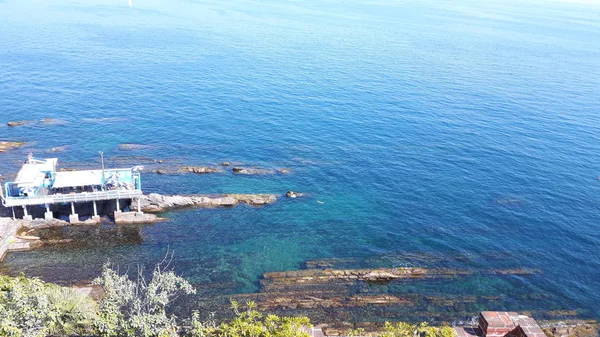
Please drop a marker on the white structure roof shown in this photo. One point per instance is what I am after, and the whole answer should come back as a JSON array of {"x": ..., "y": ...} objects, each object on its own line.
[
  {"x": 32, "y": 173},
  {"x": 77, "y": 178}
]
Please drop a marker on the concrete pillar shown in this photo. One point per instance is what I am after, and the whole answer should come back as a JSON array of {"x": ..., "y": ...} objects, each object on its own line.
[
  {"x": 73, "y": 217},
  {"x": 26, "y": 215},
  {"x": 95, "y": 217},
  {"x": 139, "y": 206},
  {"x": 13, "y": 211},
  {"x": 48, "y": 215},
  {"x": 118, "y": 207}
]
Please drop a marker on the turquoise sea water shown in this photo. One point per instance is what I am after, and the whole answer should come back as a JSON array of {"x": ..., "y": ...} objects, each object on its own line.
[{"x": 427, "y": 133}]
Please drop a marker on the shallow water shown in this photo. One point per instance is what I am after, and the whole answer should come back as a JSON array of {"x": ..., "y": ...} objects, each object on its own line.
[{"x": 464, "y": 131}]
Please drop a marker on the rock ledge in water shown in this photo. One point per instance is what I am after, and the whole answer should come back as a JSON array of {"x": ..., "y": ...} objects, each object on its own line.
[
  {"x": 155, "y": 202},
  {"x": 292, "y": 194},
  {"x": 249, "y": 170},
  {"x": 5, "y": 146},
  {"x": 198, "y": 169}
]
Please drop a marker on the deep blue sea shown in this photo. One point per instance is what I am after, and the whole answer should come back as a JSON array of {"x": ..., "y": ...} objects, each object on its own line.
[{"x": 462, "y": 134}]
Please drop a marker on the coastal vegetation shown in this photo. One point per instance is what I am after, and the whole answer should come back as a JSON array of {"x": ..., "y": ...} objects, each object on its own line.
[
  {"x": 30, "y": 307},
  {"x": 403, "y": 329},
  {"x": 129, "y": 307}
]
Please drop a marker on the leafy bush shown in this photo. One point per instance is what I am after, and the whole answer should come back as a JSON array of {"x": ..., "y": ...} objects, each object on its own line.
[
  {"x": 31, "y": 307},
  {"x": 137, "y": 308},
  {"x": 251, "y": 323},
  {"x": 420, "y": 330}
]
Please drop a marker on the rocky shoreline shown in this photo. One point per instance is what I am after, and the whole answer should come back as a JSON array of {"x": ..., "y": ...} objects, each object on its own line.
[{"x": 10, "y": 229}]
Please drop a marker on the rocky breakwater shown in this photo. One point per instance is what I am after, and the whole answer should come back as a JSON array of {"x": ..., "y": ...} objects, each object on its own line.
[{"x": 155, "y": 203}]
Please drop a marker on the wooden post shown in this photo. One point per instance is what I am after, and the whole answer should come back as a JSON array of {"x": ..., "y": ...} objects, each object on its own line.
[
  {"x": 118, "y": 207},
  {"x": 139, "y": 207},
  {"x": 72, "y": 207},
  {"x": 95, "y": 209}
]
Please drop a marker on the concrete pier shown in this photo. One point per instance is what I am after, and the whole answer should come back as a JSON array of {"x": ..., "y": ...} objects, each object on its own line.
[
  {"x": 95, "y": 217},
  {"x": 48, "y": 215},
  {"x": 26, "y": 215},
  {"x": 73, "y": 217}
]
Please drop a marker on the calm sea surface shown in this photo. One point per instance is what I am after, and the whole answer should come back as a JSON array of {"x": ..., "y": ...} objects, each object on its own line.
[{"x": 428, "y": 133}]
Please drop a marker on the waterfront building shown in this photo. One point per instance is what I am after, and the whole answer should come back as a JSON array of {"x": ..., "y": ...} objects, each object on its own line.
[{"x": 39, "y": 183}]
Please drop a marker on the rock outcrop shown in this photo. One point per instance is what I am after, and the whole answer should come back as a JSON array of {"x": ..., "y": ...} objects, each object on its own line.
[
  {"x": 292, "y": 194},
  {"x": 5, "y": 146},
  {"x": 571, "y": 329},
  {"x": 159, "y": 203},
  {"x": 16, "y": 123},
  {"x": 249, "y": 170},
  {"x": 135, "y": 218},
  {"x": 199, "y": 169}
]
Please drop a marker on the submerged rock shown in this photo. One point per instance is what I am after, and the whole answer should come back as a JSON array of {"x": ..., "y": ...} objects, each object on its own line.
[
  {"x": 51, "y": 121},
  {"x": 5, "y": 146},
  {"x": 58, "y": 148},
  {"x": 16, "y": 123},
  {"x": 284, "y": 170},
  {"x": 199, "y": 169},
  {"x": 131, "y": 147},
  {"x": 45, "y": 121},
  {"x": 248, "y": 170},
  {"x": 225, "y": 163}
]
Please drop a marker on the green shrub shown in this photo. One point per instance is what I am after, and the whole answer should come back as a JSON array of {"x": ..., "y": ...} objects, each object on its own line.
[
  {"x": 31, "y": 307},
  {"x": 420, "y": 330},
  {"x": 137, "y": 308},
  {"x": 251, "y": 323}
]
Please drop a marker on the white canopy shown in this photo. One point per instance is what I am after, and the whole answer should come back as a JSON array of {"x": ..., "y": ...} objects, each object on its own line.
[
  {"x": 78, "y": 178},
  {"x": 32, "y": 173}
]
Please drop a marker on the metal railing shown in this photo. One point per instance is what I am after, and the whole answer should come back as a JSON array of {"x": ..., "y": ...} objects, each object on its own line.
[{"x": 74, "y": 197}]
